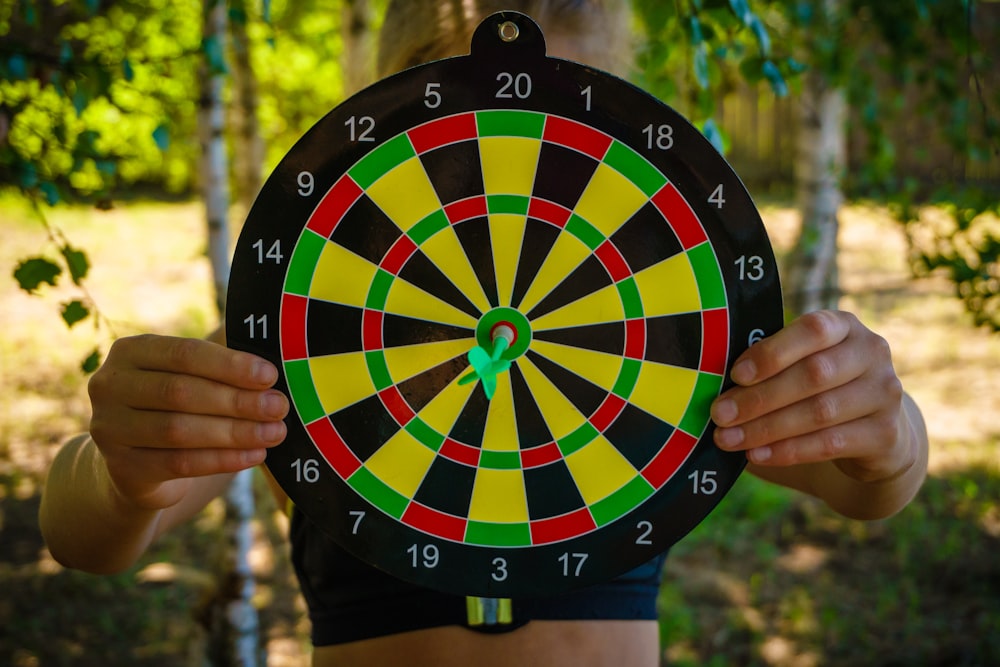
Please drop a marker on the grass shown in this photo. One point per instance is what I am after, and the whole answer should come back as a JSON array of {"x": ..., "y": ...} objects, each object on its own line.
[{"x": 770, "y": 578}]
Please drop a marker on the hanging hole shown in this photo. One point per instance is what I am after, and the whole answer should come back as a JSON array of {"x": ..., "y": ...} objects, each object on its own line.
[{"x": 509, "y": 31}]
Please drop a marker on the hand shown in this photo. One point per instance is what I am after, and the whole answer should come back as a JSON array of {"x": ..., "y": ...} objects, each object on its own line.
[
  {"x": 821, "y": 389},
  {"x": 166, "y": 410}
]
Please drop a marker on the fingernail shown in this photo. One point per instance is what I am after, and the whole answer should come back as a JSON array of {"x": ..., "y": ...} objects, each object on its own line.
[
  {"x": 744, "y": 372},
  {"x": 760, "y": 454},
  {"x": 728, "y": 438},
  {"x": 271, "y": 431},
  {"x": 253, "y": 457},
  {"x": 725, "y": 411},
  {"x": 274, "y": 403},
  {"x": 264, "y": 372}
]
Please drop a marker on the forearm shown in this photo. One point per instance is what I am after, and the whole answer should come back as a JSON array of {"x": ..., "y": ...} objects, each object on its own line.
[
  {"x": 86, "y": 524},
  {"x": 857, "y": 498}
]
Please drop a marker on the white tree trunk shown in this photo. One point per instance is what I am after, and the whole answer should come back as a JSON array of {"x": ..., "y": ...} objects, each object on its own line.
[
  {"x": 248, "y": 147},
  {"x": 358, "y": 57}
]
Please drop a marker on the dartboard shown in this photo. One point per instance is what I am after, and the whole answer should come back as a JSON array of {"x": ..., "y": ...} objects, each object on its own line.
[{"x": 502, "y": 291}]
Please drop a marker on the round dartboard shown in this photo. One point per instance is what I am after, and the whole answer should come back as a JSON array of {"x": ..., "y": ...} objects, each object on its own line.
[{"x": 502, "y": 291}]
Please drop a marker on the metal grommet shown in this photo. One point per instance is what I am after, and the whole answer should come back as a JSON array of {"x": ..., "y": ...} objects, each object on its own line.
[{"x": 509, "y": 31}]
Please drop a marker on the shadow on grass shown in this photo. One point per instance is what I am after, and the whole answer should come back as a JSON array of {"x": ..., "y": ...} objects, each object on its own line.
[{"x": 777, "y": 579}]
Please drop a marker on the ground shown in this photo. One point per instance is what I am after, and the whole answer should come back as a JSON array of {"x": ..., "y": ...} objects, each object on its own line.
[{"x": 771, "y": 578}]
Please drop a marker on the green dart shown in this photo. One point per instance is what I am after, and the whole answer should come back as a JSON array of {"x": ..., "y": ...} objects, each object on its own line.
[{"x": 487, "y": 364}]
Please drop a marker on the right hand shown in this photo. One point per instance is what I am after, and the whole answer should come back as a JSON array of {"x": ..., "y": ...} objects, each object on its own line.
[{"x": 167, "y": 410}]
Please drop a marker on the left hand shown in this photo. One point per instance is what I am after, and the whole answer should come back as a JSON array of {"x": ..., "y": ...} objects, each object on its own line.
[{"x": 821, "y": 389}]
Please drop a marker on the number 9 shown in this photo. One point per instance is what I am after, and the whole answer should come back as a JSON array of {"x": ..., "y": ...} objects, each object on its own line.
[{"x": 306, "y": 183}]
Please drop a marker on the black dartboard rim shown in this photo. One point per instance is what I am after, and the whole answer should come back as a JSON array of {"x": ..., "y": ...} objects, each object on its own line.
[{"x": 397, "y": 234}]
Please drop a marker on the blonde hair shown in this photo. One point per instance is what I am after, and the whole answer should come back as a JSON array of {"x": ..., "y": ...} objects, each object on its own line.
[{"x": 418, "y": 31}]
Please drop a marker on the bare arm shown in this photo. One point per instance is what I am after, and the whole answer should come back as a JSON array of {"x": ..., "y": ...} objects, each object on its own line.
[
  {"x": 173, "y": 419},
  {"x": 818, "y": 408}
]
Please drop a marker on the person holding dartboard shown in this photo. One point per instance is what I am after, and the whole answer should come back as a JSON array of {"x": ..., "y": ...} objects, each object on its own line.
[{"x": 504, "y": 328}]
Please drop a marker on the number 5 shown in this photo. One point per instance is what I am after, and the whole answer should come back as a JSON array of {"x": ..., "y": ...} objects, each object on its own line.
[{"x": 432, "y": 98}]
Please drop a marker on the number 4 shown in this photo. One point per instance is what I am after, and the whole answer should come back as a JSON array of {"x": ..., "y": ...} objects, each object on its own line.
[{"x": 716, "y": 197}]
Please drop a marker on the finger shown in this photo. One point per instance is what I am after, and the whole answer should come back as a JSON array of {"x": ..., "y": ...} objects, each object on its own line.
[
  {"x": 805, "y": 336},
  {"x": 195, "y": 357},
  {"x": 858, "y": 439},
  {"x": 175, "y": 430},
  {"x": 161, "y": 465},
  {"x": 172, "y": 392}
]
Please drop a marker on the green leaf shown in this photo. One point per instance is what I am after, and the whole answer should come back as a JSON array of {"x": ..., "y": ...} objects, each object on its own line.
[
  {"x": 77, "y": 262},
  {"x": 73, "y": 312},
  {"x": 701, "y": 66},
  {"x": 774, "y": 77},
  {"x": 51, "y": 193},
  {"x": 32, "y": 272},
  {"x": 211, "y": 46},
  {"x": 91, "y": 363},
  {"x": 17, "y": 67},
  {"x": 127, "y": 71},
  {"x": 161, "y": 135}
]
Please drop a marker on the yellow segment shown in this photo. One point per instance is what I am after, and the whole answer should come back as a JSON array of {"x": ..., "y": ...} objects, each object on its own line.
[
  {"x": 405, "y": 194},
  {"x": 598, "y": 367},
  {"x": 341, "y": 380},
  {"x": 501, "y": 428},
  {"x": 499, "y": 496},
  {"x": 509, "y": 164},
  {"x": 506, "y": 236},
  {"x": 599, "y": 470},
  {"x": 664, "y": 391},
  {"x": 668, "y": 287},
  {"x": 560, "y": 415},
  {"x": 567, "y": 253},
  {"x": 440, "y": 414},
  {"x": 405, "y": 362},
  {"x": 604, "y": 305},
  {"x": 410, "y": 301},
  {"x": 446, "y": 252},
  {"x": 341, "y": 276},
  {"x": 609, "y": 200},
  {"x": 401, "y": 463}
]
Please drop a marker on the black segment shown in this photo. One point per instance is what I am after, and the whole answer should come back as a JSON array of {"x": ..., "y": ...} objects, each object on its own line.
[
  {"x": 638, "y": 435},
  {"x": 646, "y": 239},
  {"x": 332, "y": 328},
  {"x": 398, "y": 331},
  {"x": 583, "y": 394},
  {"x": 455, "y": 171},
  {"x": 562, "y": 174},
  {"x": 551, "y": 491},
  {"x": 447, "y": 487},
  {"x": 422, "y": 388},
  {"x": 474, "y": 235},
  {"x": 367, "y": 231},
  {"x": 531, "y": 427},
  {"x": 608, "y": 337},
  {"x": 674, "y": 340},
  {"x": 471, "y": 423},
  {"x": 538, "y": 240},
  {"x": 365, "y": 426},
  {"x": 423, "y": 273},
  {"x": 587, "y": 278}
]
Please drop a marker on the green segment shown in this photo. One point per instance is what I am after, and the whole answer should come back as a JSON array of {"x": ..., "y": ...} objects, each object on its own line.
[
  {"x": 428, "y": 227},
  {"x": 427, "y": 436},
  {"x": 378, "y": 293},
  {"x": 510, "y": 124},
  {"x": 589, "y": 235},
  {"x": 515, "y": 204},
  {"x": 378, "y": 370},
  {"x": 631, "y": 301},
  {"x": 303, "y": 391},
  {"x": 499, "y": 460},
  {"x": 382, "y": 160},
  {"x": 622, "y": 501},
  {"x": 697, "y": 415},
  {"x": 378, "y": 493},
  {"x": 577, "y": 439},
  {"x": 627, "y": 378},
  {"x": 635, "y": 168},
  {"x": 498, "y": 534},
  {"x": 706, "y": 269},
  {"x": 303, "y": 262}
]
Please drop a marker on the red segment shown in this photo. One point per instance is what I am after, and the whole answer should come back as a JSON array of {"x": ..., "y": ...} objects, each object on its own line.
[
  {"x": 546, "y": 211},
  {"x": 714, "y": 341},
  {"x": 571, "y": 134},
  {"x": 466, "y": 209},
  {"x": 434, "y": 523},
  {"x": 540, "y": 456},
  {"x": 635, "y": 339},
  {"x": 608, "y": 412},
  {"x": 680, "y": 216},
  {"x": 334, "y": 205},
  {"x": 371, "y": 330},
  {"x": 398, "y": 254},
  {"x": 670, "y": 459},
  {"x": 443, "y": 131},
  {"x": 613, "y": 261},
  {"x": 293, "y": 327},
  {"x": 396, "y": 405},
  {"x": 456, "y": 451},
  {"x": 333, "y": 448},
  {"x": 562, "y": 527}
]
